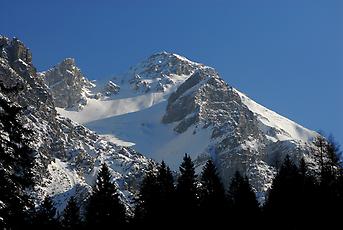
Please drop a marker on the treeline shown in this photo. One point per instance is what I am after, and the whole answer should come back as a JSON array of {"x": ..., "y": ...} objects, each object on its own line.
[
  {"x": 303, "y": 195},
  {"x": 162, "y": 201}
]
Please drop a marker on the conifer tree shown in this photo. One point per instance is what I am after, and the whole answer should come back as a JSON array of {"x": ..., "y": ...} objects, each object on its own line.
[
  {"x": 165, "y": 181},
  {"x": 329, "y": 156},
  {"x": 166, "y": 195},
  {"x": 71, "y": 215},
  {"x": 244, "y": 206},
  {"x": 16, "y": 161},
  {"x": 155, "y": 204},
  {"x": 105, "y": 207},
  {"x": 334, "y": 153},
  {"x": 213, "y": 204},
  {"x": 308, "y": 195},
  {"x": 147, "y": 202},
  {"x": 187, "y": 192},
  {"x": 284, "y": 197},
  {"x": 46, "y": 215},
  {"x": 329, "y": 198}
]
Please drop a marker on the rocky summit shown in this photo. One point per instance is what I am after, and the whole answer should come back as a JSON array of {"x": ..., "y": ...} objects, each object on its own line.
[
  {"x": 68, "y": 155},
  {"x": 167, "y": 105},
  {"x": 160, "y": 109},
  {"x": 67, "y": 84}
]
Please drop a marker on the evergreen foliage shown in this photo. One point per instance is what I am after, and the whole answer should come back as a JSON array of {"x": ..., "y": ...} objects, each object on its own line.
[
  {"x": 213, "y": 203},
  {"x": 187, "y": 192},
  {"x": 71, "y": 216},
  {"x": 16, "y": 162},
  {"x": 166, "y": 195},
  {"x": 105, "y": 207},
  {"x": 46, "y": 215},
  {"x": 147, "y": 203},
  {"x": 243, "y": 203},
  {"x": 155, "y": 204}
]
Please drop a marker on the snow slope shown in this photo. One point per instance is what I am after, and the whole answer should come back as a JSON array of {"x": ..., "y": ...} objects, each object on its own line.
[
  {"x": 154, "y": 139},
  {"x": 132, "y": 117},
  {"x": 287, "y": 129},
  {"x": 135, "y": 120},
  {"x": 167, "y": 106},
  {"x": 67, "y": 154},
  {"x": 100, "y": 109}
]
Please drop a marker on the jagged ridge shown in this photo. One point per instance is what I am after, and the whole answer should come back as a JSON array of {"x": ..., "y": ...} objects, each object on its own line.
[
  {"x": 68, "y": 155},
  {"x": 200, "y": 114}
]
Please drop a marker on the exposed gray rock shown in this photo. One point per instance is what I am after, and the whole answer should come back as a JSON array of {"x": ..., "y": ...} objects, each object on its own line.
[
  {"x": 68, "y": 155},
  {"x": 111, "y": 89},
  {"x": 180, "y": 104},
  {"x": 67, "y": 84},
  {"x": 237, "y": 141},
  {"x": 155, "y": 73}
]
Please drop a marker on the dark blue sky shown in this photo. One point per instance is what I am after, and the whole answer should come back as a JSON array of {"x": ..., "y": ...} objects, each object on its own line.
[{"x": 287, "y": 55}]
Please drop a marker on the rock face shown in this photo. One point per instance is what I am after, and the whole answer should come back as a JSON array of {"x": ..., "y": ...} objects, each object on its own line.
[
  {"x": 206, "y": 101},
  {"x": 111, "y": 88},
  {"x": 166, "y": 105},
  {"x": 239, "y": 140},
  {"x": 20, "y": 84},
  {"x": 68, "y": 155},
  {"x": 67, "y": 84},
  {"x": 156, "y": 72},
  {"x": 180, "y": 106}
]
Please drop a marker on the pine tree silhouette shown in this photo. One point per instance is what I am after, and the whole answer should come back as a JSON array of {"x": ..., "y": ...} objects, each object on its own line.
[
  {"x": 330, "y": 196},
  {"x": 308, "y": 196},
  {"x": 284, "y": 198},
  {"x": 71, "y": 215},
  {"x": 213, "y": 203},
  {"x": 244, "y": 206},
  {"x": 187, "y": 193},
  {"x": 46, "y": 215},
  {"x": 105, "y": 207},
  {"x": 166, "y": 195},
  {"x": 147, "y": 206}
]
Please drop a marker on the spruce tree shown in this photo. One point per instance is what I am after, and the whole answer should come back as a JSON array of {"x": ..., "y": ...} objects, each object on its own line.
[
  {"x": 46, "y": 215},
  {"x": 284, "y": 197},
  {"x": 155, "y": 204},
  {"x": 308, "y": 195},
  {"x": 165, "y": 181},
  {"x": 16, "y": 161},
  {"x": 147, "y": 206},
  {"x": 71, "y": 216},
  {"x": 329, "y": 186},
  {"x": 212, "y": 196},
  {"x": 244, "y": 206},
  {"x": 166, "y": 195},
  {"x": 334, "y": 153},
  {"x": 105, "y": 207},
  {"x": 187, "y": 192}
]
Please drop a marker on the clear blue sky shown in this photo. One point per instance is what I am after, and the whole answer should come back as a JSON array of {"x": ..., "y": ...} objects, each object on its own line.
[{"x": 287, "y": 55}]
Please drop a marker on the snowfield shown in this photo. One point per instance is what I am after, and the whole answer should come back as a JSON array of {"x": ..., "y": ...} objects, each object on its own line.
[
  {"x": 160, "y": 109},
  {"x": 288, "y": 130},
  {"x": 132, "y": 116}
]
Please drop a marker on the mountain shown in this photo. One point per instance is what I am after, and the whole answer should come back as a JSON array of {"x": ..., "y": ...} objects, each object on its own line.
[
  {"x": 67, "y": 154},
  {"x": 167, "y": 105},
  {"x": 67, "y": 84}
]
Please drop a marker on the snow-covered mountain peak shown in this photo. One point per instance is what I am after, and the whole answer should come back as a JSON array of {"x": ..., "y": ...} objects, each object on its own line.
[
  {"x": 68, "y": 64},
  {"x": 69, "y": 87},
  {"x": 68, "y": 154},
  {"x": 164, "y": 63},
  {"x": 167, "y": 105},
  {"x": 13, "y": 50},
  {"x": 159, "y": 72}
]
